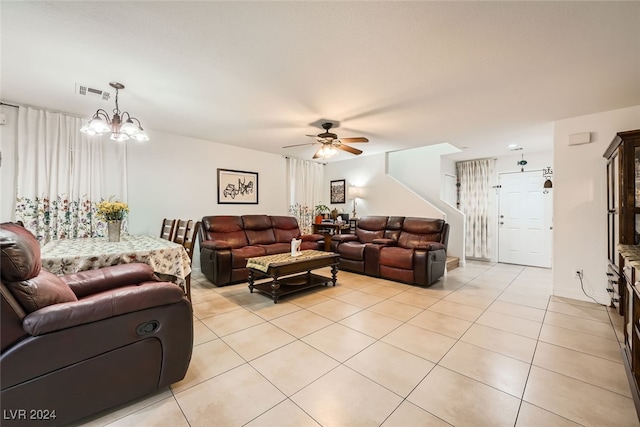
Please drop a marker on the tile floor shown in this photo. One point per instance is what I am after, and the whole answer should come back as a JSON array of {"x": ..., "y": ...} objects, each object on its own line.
[{"x": 485, "y": 346}]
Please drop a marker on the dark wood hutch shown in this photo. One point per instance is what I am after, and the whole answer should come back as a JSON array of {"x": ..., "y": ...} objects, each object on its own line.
[{"x": 623, "y": 240}]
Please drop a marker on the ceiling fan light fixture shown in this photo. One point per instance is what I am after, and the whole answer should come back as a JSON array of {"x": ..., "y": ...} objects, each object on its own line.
[
  {"x": 121, "y": 129},
  {"x": 327, "y": 151}
]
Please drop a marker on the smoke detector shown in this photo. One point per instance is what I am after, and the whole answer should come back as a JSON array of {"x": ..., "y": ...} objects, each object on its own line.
[{"x": 84, "y": 90}]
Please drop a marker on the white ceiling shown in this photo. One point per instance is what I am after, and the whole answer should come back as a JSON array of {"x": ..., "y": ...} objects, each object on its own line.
[{"x": 257, "y": 74}]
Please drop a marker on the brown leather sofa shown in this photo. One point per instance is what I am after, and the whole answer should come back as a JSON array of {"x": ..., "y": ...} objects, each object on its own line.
[
  {"x": 76, "y": 344},
  {"x": 227, "y": 241},
  {"x": 404, "y": 249}
]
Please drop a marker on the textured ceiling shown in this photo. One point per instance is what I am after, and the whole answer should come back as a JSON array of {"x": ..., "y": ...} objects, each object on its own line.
[{"x": 259, "y": 74}]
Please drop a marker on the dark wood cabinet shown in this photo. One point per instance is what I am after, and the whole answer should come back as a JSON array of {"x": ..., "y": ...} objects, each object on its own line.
[
  {"x": 623, "y": 208},
  {"x": 623, "y": 250}
]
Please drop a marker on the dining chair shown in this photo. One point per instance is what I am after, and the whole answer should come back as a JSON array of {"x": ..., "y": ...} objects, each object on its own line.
[
  {"x": 185, "y": 234},
  {"x": 168, "y": 229}
]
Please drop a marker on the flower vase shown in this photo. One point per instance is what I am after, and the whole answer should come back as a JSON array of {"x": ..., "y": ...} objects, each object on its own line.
[{"x": 113, "y": 230}]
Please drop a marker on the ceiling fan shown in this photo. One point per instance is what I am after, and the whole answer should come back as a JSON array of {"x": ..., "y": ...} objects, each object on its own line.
[{"x": 329, "y": 142}]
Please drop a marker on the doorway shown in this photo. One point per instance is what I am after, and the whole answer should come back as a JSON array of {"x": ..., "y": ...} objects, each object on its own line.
[{"x": 524, "y": 219}]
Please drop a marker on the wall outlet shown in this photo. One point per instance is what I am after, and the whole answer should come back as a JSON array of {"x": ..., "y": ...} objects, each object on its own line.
[{"x": 577, "y": 273}]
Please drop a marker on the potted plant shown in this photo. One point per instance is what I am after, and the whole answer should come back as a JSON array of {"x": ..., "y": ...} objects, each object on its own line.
[{"x": 320, "y": 211}]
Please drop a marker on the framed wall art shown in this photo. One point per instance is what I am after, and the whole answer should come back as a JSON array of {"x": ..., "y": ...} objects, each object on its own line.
[
  {"x": 237, "y": 187},
  {"x": 337, "y": 189}
]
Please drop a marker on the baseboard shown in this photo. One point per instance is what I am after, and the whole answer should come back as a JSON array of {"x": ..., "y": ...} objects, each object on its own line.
[{"x": 602, "y": 298}]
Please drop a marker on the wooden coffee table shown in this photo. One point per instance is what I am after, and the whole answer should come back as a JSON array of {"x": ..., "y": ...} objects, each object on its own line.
[{"x": 283, "y": 269}]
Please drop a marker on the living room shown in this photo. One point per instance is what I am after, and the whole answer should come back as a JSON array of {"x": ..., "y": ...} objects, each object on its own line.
[{"x": 182, "y": 169}]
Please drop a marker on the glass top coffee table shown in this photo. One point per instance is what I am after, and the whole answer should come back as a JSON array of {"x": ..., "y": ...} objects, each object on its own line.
[{"x": 283, "y": 269}]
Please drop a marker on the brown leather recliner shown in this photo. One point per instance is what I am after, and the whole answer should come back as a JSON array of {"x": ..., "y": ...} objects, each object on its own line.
[
  {"x": 76, "y": 344},
  {"x": 404, "y": 249},
  {"x": 420, "y": 255},
  {"x": 226, "y": 242},
  {"x": 357, "y": 251}
]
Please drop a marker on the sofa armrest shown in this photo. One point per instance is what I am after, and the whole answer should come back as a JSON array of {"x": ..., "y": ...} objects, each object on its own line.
[
  {"x": 344, "y": 238},
  {"x": 215, "y": 245},
  {"x": 433, "y": 246},
  {"x": 94, "y": 281},
  {"x": 101, "y": 306},
  {"x": 385, "y": 242},
  {"x": 311, "y": 237}
]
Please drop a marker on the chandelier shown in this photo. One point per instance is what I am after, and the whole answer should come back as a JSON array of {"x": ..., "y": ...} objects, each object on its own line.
[{"x": 120, "y": 129}]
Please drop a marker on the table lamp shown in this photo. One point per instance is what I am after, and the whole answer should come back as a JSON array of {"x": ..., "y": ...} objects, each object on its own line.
[{"x": 354, "y": 193}]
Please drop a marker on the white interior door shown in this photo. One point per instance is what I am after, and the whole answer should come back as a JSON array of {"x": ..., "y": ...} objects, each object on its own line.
[{"x": 524, "y": 220}]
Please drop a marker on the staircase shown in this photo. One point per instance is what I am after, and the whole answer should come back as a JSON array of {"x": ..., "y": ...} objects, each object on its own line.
[{"x": 452, "y": 263}]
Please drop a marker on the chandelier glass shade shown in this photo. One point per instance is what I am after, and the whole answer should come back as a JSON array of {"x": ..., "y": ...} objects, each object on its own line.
[
  {"x": 326, "y": 151},
  {"x": 122, "y": 126}
]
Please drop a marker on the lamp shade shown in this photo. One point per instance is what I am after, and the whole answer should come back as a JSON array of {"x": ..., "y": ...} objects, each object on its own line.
[
  {"x": 355, "y": 192},
  {"x": 96, "y": 126},
  {"x": 129, "y": 128}
]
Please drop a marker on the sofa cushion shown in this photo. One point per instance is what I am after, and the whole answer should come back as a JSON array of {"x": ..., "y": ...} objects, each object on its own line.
[
  {"x": 239, "y": 256},
  {"x": 258, "y": 229},
  {"x": 420, "y": 231},
  {"x": 393, "y": 228},
  {"x": 352, "y": 250},
  {"x": 285, "y": 228},
  {"x": 276, "y": 248},
  {"x": 397, "y": 257},
  {"x": 225, "y": 228},
  {"x": 41, "y": 291},
  {"x": 21, "y": 258},
  {"x": 371, "y": 227}
]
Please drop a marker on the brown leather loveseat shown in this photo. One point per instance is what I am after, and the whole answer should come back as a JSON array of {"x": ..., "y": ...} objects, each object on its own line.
[
  {"x": 404, "y": 249},
  {"x": 76, "y": 344},
  {"x": 227, "y": 241}
]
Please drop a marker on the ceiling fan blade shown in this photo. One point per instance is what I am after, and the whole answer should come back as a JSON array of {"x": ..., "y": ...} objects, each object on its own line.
[
  {"x": 356, "y": 139},
  {"x": 316, "y": 155},
  {"x": 299, "y": 145},
  {"x": 348, "y": 149},
  {"x": 312, "y": 136}
]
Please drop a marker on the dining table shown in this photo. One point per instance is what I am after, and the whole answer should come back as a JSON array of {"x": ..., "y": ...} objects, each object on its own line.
[{"x": 168, "y": 259}]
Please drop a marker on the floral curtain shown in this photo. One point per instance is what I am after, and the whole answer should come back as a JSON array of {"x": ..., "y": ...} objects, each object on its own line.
[
  {"x": 62, "y": 174},
  {"x": 304, "y": 184},
  {"x": 474, "y": 177}
]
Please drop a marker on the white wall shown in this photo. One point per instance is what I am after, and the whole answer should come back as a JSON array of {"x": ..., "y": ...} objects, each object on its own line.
[
  {"x": 8, "y": 148},
  {"x": 579, "y": 185},
  {"x": 174, "y": 176}
]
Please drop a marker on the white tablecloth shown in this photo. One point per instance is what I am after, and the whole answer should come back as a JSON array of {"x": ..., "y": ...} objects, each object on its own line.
[{"x": 66, "y": 256}]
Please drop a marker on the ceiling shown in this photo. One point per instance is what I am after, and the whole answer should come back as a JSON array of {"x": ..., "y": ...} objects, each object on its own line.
[{"x": 262, "y": 75}]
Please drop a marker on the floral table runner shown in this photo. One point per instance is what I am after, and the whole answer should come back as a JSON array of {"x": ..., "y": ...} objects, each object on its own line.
[{"x": 262, "y": 263}]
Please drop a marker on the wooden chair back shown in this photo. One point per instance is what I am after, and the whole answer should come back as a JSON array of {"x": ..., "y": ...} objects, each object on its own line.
[
  {"x": 186, "y": 234},
  {"x": 168, "y": 229}
]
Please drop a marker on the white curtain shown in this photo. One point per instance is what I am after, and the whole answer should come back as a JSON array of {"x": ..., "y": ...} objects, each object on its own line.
[
  {"x": 304, "y": 184},
  {"x": 62, "y": 173},
  {"x": 474, "y": 177}
]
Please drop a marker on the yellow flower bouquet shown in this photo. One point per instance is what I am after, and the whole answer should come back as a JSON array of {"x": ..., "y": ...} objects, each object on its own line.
[{"x": 112, "y": 210}]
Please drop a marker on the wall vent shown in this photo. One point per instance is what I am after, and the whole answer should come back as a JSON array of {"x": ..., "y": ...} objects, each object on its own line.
[{"x": 85, "y": 90}]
